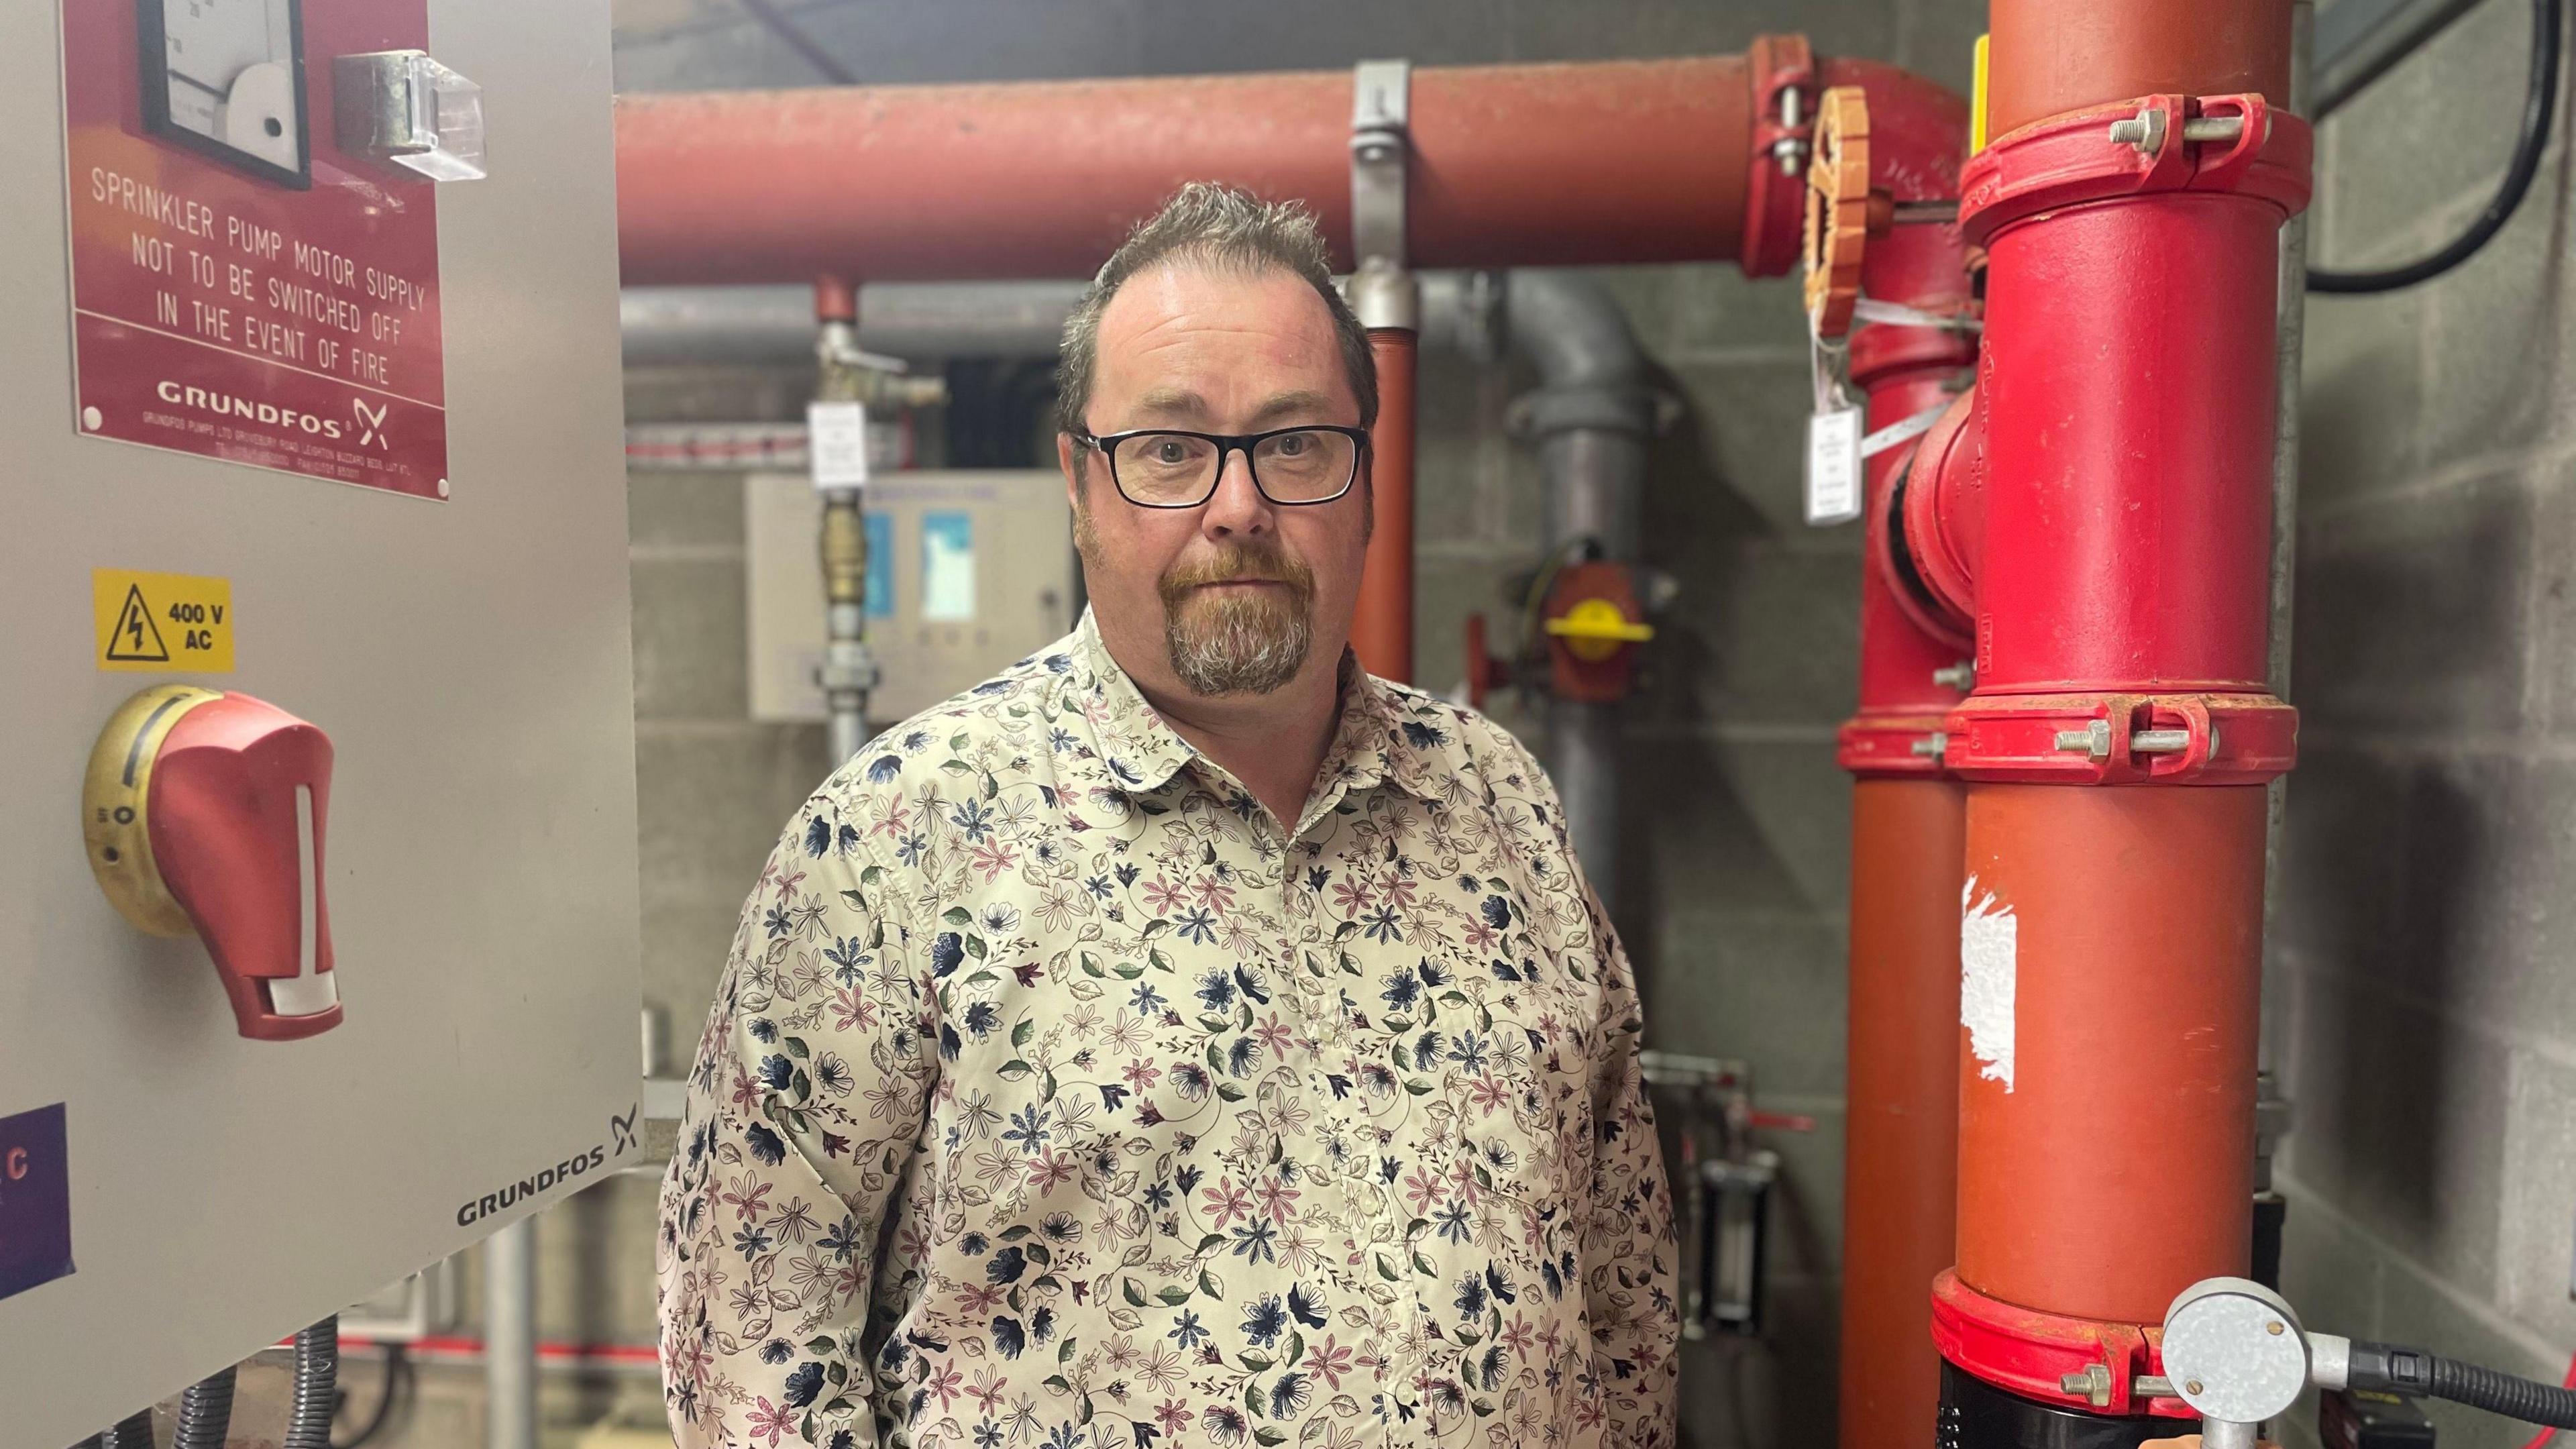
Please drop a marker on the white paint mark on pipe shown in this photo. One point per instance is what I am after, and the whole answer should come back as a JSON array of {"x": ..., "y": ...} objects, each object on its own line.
[{"x": 1989, "y": 943}]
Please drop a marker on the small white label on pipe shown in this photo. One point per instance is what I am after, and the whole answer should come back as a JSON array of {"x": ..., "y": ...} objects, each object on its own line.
[
  {"x": 1989, "y": 943},
  {"x": 1833, "y": 466},
  {"x": 836, "y": 443}
]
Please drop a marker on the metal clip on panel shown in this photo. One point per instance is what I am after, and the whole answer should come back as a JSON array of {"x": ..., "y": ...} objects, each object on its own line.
[{"x": 402, "y": 107}]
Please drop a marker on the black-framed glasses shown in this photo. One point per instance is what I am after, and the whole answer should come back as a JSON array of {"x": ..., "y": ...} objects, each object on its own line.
[{"x": 1172, "y": 468}]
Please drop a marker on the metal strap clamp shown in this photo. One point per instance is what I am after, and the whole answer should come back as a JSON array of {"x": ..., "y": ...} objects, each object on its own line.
[{"x": 1382, "y": 291}]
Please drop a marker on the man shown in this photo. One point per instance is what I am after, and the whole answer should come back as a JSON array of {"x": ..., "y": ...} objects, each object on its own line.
[{"x": 1184, "y": 1038}]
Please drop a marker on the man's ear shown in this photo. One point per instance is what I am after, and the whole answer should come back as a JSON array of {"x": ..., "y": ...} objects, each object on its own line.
[{"x": 1068, "y": 458}]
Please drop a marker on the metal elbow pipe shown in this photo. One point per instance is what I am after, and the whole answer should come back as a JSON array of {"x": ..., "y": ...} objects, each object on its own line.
[{"x": 1592, "y": 411}]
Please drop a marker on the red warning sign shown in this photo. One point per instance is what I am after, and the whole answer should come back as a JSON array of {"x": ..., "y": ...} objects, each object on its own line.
[{"x": 241, "y": 287}]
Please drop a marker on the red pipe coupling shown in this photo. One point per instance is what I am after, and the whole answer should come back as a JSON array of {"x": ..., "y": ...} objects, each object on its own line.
[{"x": 2076, "y": 1363}]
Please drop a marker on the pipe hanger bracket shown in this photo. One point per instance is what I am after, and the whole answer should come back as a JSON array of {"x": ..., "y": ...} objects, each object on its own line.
[{"x": 1382, "y": 290}]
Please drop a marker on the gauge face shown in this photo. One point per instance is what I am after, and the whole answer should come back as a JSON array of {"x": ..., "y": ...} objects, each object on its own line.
[{"x": 226, "y": 77}]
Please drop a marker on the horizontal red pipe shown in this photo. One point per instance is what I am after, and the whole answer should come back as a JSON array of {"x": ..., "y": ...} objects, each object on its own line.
[
  {"x": 1525, "y": 165},
  {"x": 437, "y": 1347}
]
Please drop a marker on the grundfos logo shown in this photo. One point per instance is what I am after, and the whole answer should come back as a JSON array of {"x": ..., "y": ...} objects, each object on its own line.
[
  {"x": 226, "y": 405},
  {"x": 622, "y": 1129},
  {"x": 527, "y": 1187}
]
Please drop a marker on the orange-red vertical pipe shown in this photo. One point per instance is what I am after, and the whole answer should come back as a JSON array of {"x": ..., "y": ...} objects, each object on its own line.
[
  {"x": 1901, "y": 1084},
  {"x": 1382, "y": 629},
  {"x": 2120, "y": 732}
]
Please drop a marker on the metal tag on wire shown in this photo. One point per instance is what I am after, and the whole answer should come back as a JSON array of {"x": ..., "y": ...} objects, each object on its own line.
[{"x": 1833, "y": 440}]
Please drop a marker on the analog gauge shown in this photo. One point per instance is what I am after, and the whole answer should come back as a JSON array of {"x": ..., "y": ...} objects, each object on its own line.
[{"x": 226, "y": 77}]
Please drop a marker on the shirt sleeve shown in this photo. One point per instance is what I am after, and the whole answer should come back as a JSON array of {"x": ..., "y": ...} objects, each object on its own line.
[
  {"x": 805, "y": 1104},
  {"x": 1628, "y": 1250}
]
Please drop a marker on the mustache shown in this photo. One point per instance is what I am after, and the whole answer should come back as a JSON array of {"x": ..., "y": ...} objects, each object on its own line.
[{"x": 1239, "y": 563}]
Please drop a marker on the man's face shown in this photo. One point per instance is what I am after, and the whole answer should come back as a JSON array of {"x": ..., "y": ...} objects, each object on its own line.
[{"x": 1237, "y": 595}]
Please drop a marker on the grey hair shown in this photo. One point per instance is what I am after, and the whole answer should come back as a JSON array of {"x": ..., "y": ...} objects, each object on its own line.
[{"x": 1224, "y": 227}]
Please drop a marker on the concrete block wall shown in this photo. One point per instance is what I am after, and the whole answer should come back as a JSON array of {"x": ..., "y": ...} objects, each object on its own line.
[{"x": 2430, "y": 1039}]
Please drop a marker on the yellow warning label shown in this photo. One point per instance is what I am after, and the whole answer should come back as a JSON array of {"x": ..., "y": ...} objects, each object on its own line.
[{"x": 162, "y": 623}]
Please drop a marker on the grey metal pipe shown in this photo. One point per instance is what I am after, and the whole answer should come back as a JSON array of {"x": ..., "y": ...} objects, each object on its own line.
[
  {"x": 716, "y": 325},
  {"x": 510, "y": 1336},
  {"x": 1590, "y": 417},
  {"x": 734, "y": 325},
  {"x": 1583, "y": 761}
]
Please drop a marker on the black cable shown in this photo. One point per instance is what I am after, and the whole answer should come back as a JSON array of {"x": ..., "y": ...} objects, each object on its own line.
[
  {"x": 2529, "y": 1400},
  {"x": 2540, "y": 101},
  {"x": 397, "y": 1380},
  {"x": 2395, "y": 1369}
]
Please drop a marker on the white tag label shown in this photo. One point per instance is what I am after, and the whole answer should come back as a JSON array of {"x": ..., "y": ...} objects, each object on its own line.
[
  {"x": 836, "y": 443},
  {"x": 1833, "y": 466}
]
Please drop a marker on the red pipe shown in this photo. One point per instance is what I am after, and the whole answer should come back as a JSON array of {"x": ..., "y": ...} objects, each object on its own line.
[
  {"x": 2111, "y": 931},
  {"x": 1901, "y": 1087},
  {"x": 1382, "y": 627},
  {"x": 468, "y": 1350},
  {"x": 1526, "y": 165}
]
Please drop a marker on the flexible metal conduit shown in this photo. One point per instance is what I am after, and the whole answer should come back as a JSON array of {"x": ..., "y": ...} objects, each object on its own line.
[
  {"x": 206, "y": 1413},
  {"x": 317, "y": 1379}
]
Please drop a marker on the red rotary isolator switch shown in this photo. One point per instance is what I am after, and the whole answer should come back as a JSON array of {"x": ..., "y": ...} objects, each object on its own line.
[{"x": 203, "y": 814}]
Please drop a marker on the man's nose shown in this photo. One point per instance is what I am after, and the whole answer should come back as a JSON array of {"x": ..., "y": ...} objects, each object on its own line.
[{"x": 1237, "y": 506}]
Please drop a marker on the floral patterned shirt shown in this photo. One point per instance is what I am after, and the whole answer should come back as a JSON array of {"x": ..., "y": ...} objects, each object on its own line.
[{"x": 1055, "y": 1095}]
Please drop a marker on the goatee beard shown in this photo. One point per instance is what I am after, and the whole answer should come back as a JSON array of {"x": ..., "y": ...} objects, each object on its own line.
[{"x": 1239, "y": 641}]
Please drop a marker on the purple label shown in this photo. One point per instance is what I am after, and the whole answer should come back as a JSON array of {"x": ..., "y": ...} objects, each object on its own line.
[{"x": 35, "y": 1200}]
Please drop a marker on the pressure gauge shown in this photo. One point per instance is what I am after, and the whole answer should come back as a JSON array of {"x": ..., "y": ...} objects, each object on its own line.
[{"x": 226, "y": 77}]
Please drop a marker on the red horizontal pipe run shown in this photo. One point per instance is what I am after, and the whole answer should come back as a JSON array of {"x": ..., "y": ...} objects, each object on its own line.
[
  {"x": 472, "y": 1350},
  {"x": 1529, "y": 165}
]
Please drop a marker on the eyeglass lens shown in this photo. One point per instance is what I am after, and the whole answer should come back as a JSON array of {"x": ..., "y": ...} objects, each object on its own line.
[{"x": 1303, "y": 466}]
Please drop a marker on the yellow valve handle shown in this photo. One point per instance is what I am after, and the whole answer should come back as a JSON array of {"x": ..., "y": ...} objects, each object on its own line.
[{"x": 1594, "y": 629}]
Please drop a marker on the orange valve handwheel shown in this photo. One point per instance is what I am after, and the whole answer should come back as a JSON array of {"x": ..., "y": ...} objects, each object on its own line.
[{"x": 1837, "y": 227}]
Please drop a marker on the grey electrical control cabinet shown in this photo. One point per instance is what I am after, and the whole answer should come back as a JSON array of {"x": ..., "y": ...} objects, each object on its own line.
[{"x": 318, "y": 924}]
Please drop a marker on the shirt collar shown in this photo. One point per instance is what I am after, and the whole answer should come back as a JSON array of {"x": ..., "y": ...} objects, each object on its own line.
[{"x": 1387, "y": 732}]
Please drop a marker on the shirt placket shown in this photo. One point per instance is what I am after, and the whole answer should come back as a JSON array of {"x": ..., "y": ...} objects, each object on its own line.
[{"x": 1320, "y": 990}]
